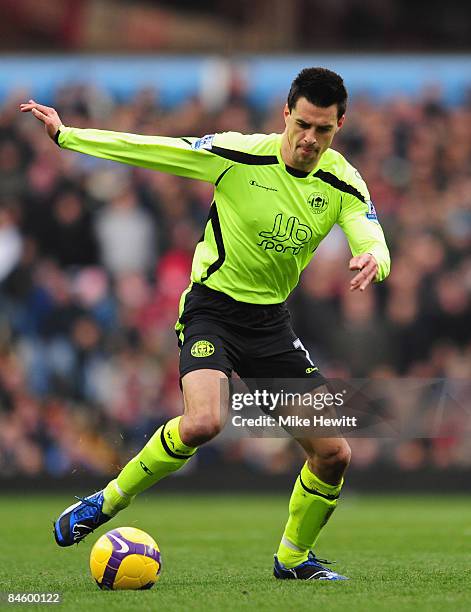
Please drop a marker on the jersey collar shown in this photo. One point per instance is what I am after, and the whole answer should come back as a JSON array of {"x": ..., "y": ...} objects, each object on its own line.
[{"x": 297, "y": 173}]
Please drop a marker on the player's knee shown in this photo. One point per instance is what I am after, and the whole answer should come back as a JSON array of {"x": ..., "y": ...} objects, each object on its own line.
[
  {"x": 336, "y": 456},
  {"x": 343, "y": 457},
  {"x": 197, "y": 430}
]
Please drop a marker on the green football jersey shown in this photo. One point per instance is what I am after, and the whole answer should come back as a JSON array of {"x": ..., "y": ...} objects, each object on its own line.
[{"x": 266, "y": 220}]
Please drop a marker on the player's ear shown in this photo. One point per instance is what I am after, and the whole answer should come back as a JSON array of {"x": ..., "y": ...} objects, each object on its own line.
[
  {"x": 340, "y": 122},
  {"x": 286, "y": 112}
]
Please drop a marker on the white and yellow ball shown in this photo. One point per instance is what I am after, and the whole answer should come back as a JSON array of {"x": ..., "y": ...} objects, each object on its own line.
[{"x": 125, "y": 558}]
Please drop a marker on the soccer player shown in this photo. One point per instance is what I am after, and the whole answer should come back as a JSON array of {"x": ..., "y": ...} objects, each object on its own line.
[{"x": 276, "y": 197}]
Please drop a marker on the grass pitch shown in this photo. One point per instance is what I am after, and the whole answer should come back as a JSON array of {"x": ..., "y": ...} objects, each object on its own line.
[{"x": 401, "y": 553}]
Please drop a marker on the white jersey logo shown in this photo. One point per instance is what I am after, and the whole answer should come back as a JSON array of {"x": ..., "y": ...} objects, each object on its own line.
[
  {"x": 371, "y": 214},
  {"x": 204, "y": 143}
]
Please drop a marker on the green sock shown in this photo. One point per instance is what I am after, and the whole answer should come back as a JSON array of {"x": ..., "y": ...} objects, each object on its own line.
[
  {"x": 115, "y": 499},
  {"x": 311, "y": 505},
  {"x": 164, "y": 453}
]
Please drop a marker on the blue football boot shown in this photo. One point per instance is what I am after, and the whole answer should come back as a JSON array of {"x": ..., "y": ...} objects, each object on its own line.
[
  {"x": 80, "y": 519},
  {"x": 309, "y": 570}
]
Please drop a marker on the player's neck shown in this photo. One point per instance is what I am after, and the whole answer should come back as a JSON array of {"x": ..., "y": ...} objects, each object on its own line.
[{"x": 287, "y": 157}]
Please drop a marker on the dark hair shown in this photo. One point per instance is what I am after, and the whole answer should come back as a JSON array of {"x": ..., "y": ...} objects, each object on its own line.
[{"x": 319, "y": 86}]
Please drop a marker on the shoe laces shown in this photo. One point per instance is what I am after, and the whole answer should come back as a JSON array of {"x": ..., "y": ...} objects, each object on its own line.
[
  {"x": 312, "y": 557},
  {"x": 89, "y": 503}
]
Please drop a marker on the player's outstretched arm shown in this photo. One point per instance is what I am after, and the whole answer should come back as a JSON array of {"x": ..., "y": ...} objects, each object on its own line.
[
  {"x": 46, "y": 114},
  {"x": 187, "y": 157}
]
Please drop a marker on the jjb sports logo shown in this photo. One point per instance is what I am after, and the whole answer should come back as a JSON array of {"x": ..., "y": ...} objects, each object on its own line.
[
  {"x": 204, "y": 143},
  {"x": 282, "y": 233},
  {"x": 202, "y": 348}
]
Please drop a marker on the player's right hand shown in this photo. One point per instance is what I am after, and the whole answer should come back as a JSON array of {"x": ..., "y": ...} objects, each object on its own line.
[{"x": 46, "y": 114}]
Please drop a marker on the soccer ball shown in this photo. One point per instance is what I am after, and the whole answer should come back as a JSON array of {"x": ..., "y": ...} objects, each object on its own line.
[{"x": 125, "y": 558}]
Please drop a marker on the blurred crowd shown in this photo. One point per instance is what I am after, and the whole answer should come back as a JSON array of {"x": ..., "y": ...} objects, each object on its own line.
[
  {"x": 232, "y": 27},
  {"x": 94, "y": 257}
]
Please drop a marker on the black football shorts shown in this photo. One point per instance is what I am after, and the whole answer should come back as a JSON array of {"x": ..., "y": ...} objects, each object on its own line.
[{"x": 254, "y": 340}]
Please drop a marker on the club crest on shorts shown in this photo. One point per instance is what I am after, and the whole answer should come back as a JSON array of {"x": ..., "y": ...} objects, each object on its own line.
[{"x": 202, "y": 348}]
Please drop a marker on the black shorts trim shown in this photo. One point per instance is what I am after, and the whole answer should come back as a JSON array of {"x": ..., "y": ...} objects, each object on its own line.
[{"x": 196, "y": 367}]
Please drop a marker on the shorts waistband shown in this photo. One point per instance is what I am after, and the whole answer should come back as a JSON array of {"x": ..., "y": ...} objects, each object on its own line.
[{"x": 200, "y": 289}]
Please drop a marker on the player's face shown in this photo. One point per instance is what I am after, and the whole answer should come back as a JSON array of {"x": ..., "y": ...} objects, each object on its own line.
[{"x": 308, "y": 133}]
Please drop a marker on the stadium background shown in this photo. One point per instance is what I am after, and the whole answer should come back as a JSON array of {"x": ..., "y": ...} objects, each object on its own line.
[{"x": 94, "y": 256}]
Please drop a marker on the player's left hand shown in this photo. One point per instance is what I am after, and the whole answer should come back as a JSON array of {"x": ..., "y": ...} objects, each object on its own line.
[
  {"x": 368, "y": 267},
  {"x": 46, "y": 114}
]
